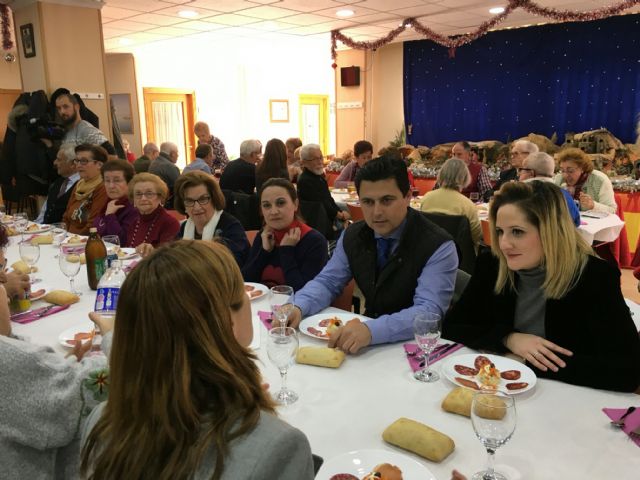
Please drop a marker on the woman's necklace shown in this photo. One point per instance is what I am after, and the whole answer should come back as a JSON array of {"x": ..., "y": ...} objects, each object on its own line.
[{"x": 149, "y": 229}]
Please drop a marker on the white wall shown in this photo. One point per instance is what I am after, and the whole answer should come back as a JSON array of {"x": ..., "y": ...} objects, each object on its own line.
[{"x": 234, "y": 79}]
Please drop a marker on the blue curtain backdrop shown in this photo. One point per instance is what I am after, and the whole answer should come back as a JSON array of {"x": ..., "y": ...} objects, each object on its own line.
[{"x": 559, "y": 78}]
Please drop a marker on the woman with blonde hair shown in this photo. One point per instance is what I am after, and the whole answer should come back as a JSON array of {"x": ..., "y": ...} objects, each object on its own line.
[
  {"x": 186, "y": 399},
  {"x": 453, "y": 177},
  {"x": 542, "y": 294},
  {"x": 590, "y": 188}
]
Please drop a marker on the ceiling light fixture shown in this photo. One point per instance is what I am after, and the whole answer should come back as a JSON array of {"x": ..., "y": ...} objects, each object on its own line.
[
  {"x": 344, "y": 13},
  {"x": 188, "y": 13},
  {"x": 496, "y": 10}
]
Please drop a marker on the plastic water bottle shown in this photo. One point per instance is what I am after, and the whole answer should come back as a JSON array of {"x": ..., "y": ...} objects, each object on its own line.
[{"x": 109, "y": 290}]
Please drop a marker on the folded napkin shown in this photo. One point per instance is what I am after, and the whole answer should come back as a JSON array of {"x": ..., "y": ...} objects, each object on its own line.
[
  {"x": 37, "y": 314},
  {"x": 631, "y": 421},
  {"x": 131, "y": 266},
  {"x": 438, "y": 354},
  {"x": 265, "y": 318}
]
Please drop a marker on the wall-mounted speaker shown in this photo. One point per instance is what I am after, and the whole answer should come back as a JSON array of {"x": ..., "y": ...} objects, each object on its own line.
[{"x": 350, "y": 76}]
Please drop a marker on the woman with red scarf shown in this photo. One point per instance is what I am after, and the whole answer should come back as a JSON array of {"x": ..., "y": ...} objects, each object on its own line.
[{"x": 287, "y": 251}]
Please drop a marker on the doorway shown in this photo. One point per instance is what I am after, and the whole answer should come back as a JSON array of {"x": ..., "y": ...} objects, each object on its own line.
[
  {"x": 170, "y": 116},
  {"x": 314, "y": 120}
]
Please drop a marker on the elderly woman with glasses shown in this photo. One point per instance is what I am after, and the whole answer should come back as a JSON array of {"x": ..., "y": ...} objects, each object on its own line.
[
  {"x": 590, "y": 188},
  {"x": 89, "y": 196},
  {"x": 154, "y": 225},
  {"x": 119, "y": 213},
  {"x": 198, "y": 196}
]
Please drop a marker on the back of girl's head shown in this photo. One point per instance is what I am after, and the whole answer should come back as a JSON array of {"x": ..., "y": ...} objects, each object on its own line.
[
  {"x": 545, "y": 207},
  {"x": 178, "y": 378},
  {"x": 274, "y": 160}
]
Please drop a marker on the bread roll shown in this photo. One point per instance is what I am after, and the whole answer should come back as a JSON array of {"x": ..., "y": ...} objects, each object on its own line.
[
  {"x": 491, "y": 407},
  {"x": 21, "y": 267},
  {"x": 384, "y": 471},
  {"x": 419, "y": 439},
  {"x": 46, "y": 239},
  {"x": 320, "y": 356},
  {"x": 458, "y": 401},
  {"x": 61, "y": 297}
]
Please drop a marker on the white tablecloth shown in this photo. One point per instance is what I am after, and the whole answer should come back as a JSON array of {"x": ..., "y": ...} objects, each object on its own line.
[
  {"x": 561, "y": 432},
  {"x": 605, "y": 229}
]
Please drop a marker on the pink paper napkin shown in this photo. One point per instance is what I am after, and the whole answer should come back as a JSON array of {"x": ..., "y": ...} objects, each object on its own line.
[
  {"x": 436, "y": 355},
  {"x": 37, "y": 314},
  {"x": 265, "y": 318},
  {"x": 131, "y": 266},
  {"x": 631, "y": 421}
]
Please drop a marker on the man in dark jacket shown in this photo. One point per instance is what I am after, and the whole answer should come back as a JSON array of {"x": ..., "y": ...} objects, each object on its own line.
[
  {"x": 60, "y": 190},
  {"x": 403, "y": 263}
]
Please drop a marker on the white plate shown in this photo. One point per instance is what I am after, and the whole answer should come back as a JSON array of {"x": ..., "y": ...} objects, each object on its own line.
[
  {"x": 361, "y": 462},
  {"x": 40, "y": 229},
  {"x": 339, "y": 190},
  {"x": 69, "y": 334},
  {"x": 257, "y": 286},
  {"x": 128, "y": 252},
  {"x": 314, "y": 322},
  {"x": 83, "y": 242},
  {"x": 501, "y": 363}
]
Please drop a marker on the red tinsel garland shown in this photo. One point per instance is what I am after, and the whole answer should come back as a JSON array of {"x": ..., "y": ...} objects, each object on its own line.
[
  {"x": 5, "y": 20},
  {"x": 456, "y": 41}
]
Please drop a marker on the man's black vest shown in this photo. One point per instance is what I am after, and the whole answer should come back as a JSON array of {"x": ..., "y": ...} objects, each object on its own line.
[
  {"x": 393, "y": 287},
  {"x": 56, "y": 205}
]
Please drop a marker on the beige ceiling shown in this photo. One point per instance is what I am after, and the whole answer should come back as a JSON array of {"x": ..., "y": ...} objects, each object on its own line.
[{"x": 128, "y": 23}]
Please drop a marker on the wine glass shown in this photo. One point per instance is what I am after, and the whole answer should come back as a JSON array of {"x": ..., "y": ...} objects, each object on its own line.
[
  {"x": 281, "y": 299},
  {"x": 59, "y": 230},
  {"x": 69, "y": 261},
  {"x": 426, "y": 329},
  {"x": 112, "y": 242},
  {"x": 493, "y": 415},
  {"x": 282, "y": 347},
  {"x": 474, "y": 197},
  {"x": 21, "y": 222},
  {"x": 30, "y": 253}
]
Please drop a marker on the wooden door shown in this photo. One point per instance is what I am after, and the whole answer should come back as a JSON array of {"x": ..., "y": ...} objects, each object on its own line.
[
  {"x": 170, "y": 116},
  {"x": 314, "y": 120}
]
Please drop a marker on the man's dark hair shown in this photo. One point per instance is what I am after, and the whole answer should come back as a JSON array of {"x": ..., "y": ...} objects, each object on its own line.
[
  {"x": 203, "y": 150},
  {"x": 465, "y": 145},
  {"x": 362, "y": 146},
  {"x": 98, "y": 153},
  {"x": 382, "y": 168},
  {"x": 72, "y": 99}
]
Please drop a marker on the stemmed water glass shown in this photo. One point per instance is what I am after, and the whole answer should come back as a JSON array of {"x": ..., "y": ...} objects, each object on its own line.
[
  {"x": 112, "y": 242},
  {"x": 493, "y": 416},
  {"x": 426, "y": 329},
  {"x": 69, "y": 261},
  {"x": 282, "y": 347},
  {"x": 58, "y": 230},
  {"x": 30, "y": 253},
  {"x": 281, "y": 299},
  {"x": 474, "y": 197},
  {"x": 21, "y": 222}
]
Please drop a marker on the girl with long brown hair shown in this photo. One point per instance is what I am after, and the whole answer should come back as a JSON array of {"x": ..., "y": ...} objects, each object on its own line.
[{"x": 186, "y": 399}]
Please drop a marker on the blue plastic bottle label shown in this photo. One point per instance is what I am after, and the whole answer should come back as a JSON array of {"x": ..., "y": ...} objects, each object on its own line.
[{"x": 107, "y": 300}]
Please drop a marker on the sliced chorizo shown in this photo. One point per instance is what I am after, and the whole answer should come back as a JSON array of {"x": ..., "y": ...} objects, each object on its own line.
[
  {"x": 467, "y": 383},
  {"x": 464, "y": 370},
  {"x": 517, "y": 385},
  {"x": 480, "y": 362},
  {"x": 510, "y": 374}
]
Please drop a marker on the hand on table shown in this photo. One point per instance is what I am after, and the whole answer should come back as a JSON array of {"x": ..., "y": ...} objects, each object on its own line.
[
  {"x": 80, "y": 348},
  {"x": 294, "y": 317},
  {"x": 538, "y": 351},
  {"x": 291, "y": 238},
  {"x": 352, "y": 337},
  {"x": 15, "y": 283},
  {"x": 144, "y": 249},
  {"x": 586, "y": 202},
  {"x": 105, "y": 325},
  {"x": 113, "y": 207},
  {"x": 268, "y": 239}
]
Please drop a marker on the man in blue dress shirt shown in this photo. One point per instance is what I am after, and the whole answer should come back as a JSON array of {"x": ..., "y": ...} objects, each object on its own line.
[{"x": 403, "y": 263}]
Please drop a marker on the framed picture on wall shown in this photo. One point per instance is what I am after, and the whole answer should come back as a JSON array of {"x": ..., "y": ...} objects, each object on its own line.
[
  {"x": 279, "y": 111},
  {"x": 122, "y": 105},
  {"x": 28, "y": 43}
]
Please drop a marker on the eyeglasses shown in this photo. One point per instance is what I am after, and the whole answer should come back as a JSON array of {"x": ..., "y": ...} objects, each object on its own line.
[
  {"x": 82, "y": 161},
  {"x": 145, "y": 194},
  {"x": 568, "y": 170},
  {"x": 203, "y": 200},
  {"x": 523, "y": 169}
]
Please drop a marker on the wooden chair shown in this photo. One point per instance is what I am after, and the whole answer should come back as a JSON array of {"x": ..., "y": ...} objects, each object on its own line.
[
  {"x": 251, "y": 235},
  {"x": 345, "y": 300},
  {"x": 355, "y": 211}
]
